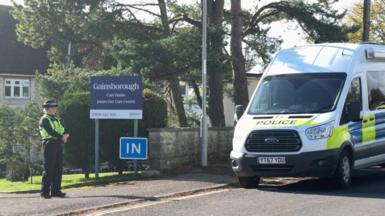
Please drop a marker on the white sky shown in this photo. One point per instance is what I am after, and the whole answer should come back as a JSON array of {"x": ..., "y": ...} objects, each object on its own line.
[{"x": 288, "y": 31}]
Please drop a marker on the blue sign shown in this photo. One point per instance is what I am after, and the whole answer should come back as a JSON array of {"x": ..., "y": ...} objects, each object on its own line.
[
  {"x": 116, "y": 97},
  {"x": 133, "y": 148}
]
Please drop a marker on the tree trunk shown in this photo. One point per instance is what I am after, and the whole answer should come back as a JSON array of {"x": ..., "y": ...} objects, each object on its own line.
[
  {"x": 173, "y": 81},
  {"x": 241, "y": 94},
  {"x": 215, "y": 110},
  {"x": 178, "y": 100},
  {"x": 164, "y": 17},
  {"x": 215, "y": 100}
]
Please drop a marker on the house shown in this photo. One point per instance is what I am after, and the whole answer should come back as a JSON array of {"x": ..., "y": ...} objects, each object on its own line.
[
  {"x": 193, "y": 109},
  {"x": 18, "y": 64}
]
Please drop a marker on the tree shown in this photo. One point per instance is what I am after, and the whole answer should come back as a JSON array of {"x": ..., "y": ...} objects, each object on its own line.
[
  {"x": 9, "y": 156},
  {"x": 241, "y": 93},
  {"x": 377, "y": 17},
  {"x": 74, "y": 31},
  {"x": 27, "y": 135},
  {"x": 19, "y": 136},
  {"x": 218, "y": 64},
  {"x": 318, "y": 20},
  {"x": 87, "y": 28}
]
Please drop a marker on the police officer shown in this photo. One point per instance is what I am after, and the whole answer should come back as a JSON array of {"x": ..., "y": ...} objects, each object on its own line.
[{"x": 53, "y": 135}]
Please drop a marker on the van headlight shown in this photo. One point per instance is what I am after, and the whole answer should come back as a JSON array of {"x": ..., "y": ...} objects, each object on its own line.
[{"x": 320, "y": 132}]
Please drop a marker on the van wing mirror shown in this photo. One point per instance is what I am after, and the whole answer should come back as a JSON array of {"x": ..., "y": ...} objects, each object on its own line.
[
  {"x": 354, "y": 111},
  {"x": 239, "y": 110}
]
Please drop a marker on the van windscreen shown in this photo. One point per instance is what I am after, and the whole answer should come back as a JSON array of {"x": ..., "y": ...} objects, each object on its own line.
[{"x": 298, "y": 93}]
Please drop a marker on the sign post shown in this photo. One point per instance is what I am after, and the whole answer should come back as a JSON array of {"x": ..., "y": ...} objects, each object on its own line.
[
  {"x": 115, "y": 97},
  {"x": 136, "y": 135},
  {"x": 96, "y": 149}
]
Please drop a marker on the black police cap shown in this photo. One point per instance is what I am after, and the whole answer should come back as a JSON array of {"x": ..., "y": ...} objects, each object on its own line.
[{"x": 49, "y": 103}]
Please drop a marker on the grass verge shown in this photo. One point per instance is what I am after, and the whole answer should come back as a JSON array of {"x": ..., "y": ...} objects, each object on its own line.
[{"x": 68, "y": 181}]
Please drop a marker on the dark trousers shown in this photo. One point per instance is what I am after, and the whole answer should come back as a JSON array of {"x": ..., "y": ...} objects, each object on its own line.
[{"x": 53, "y": 166}]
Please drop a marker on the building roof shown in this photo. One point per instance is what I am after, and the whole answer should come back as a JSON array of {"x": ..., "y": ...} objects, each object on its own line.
[{"x": 16, "y": 58}]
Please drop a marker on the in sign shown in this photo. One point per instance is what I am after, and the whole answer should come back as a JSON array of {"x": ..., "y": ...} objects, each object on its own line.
[{"x": 133, "y": 148}]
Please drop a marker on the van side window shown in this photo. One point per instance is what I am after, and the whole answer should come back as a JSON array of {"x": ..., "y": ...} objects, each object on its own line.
[
  {"x": 376, "y": 90},
  {"x": 354, "y": 95}
]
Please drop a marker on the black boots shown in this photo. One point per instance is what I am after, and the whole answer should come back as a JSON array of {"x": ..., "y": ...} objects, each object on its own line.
[
  {"x": 45, "y": 196},
  {"x": 60, "y": 195}
]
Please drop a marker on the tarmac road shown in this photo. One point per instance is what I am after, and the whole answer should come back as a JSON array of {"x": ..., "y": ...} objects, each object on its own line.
[{"x": 303, "y": 197}]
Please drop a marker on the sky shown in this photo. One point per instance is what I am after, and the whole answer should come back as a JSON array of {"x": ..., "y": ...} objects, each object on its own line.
[{"x": 288, "y": 31}]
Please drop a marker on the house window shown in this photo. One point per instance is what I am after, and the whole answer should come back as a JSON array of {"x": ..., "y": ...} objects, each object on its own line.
[{"x": 17, "y": 88}]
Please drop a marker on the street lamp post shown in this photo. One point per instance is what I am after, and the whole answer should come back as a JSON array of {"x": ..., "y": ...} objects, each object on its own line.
[
  {"x": 204, "y": 84},
  {"x": 366, "y": 21}
]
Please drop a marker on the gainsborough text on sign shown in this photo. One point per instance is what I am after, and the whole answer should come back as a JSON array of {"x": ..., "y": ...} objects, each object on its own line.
[{"x": 117, "y": 97}]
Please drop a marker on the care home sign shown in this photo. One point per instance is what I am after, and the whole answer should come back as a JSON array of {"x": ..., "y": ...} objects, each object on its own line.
[{"x": 117, "y": 97}]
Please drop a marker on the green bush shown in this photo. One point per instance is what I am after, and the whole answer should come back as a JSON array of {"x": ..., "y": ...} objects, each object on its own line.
[
  {"x": 13, "y": 162},
  {"x": 154, "y": 110},
  {"x": 17, "y": 169},
  {"x": 18, "y": 135},
  {"x": 74, "y": 110}
]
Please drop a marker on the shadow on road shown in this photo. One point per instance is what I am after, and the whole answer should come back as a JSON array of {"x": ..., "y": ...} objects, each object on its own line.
[{"x": 367, "y": 183}]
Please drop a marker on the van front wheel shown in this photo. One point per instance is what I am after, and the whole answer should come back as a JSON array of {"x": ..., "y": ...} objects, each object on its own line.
[
  {"x": 343, "y": 175},
  {"x": 249, "y": 182}
]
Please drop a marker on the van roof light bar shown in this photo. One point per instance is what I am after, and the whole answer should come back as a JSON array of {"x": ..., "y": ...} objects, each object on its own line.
[{"x": 372, "y": 54}]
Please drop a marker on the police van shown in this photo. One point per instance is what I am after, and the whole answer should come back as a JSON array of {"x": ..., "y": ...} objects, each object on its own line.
[{"x": 318, "y": 111}]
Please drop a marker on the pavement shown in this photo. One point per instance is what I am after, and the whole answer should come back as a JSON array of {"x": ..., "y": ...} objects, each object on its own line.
[{"x": 86, "y": 200}]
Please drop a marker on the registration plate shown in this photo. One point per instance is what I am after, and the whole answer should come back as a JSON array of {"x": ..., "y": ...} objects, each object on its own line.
[{"x": 271, "y": 160}]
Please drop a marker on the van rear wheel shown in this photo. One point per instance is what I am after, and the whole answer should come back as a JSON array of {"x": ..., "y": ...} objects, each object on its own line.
[
  {"x": 343, "y": 175},
  {"x": 249, "y": 182}
]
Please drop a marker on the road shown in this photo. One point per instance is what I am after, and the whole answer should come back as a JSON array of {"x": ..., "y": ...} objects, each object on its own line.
[{"x": 296, "y": 197}]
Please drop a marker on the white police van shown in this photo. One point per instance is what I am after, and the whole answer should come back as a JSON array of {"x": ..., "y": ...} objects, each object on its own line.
[{"x": 319, "y": 110}]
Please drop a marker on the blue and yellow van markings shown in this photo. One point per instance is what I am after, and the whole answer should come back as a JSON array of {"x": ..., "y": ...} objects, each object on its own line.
[
  {"x": 368, "y": 128},
  {"x": 355, "y": 130},
  {"x": 372, "y": 128},
  {"x": 380, "y": 125},
  {"x": 340, "y": 135}
]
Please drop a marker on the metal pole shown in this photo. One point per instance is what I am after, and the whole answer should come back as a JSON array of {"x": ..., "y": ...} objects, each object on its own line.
[
  {"x": 136, "y": 135},
  {"x": 204, "y": 84},
  {"x": 366, "y": 21},
  {"x": 96, "y": 149}
]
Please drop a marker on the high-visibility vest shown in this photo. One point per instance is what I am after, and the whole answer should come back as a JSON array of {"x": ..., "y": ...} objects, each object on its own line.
[{"x": 55, "y": 125}]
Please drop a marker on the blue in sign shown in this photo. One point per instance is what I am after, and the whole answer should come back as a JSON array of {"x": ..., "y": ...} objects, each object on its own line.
[{"x": 133, "y": 148}]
